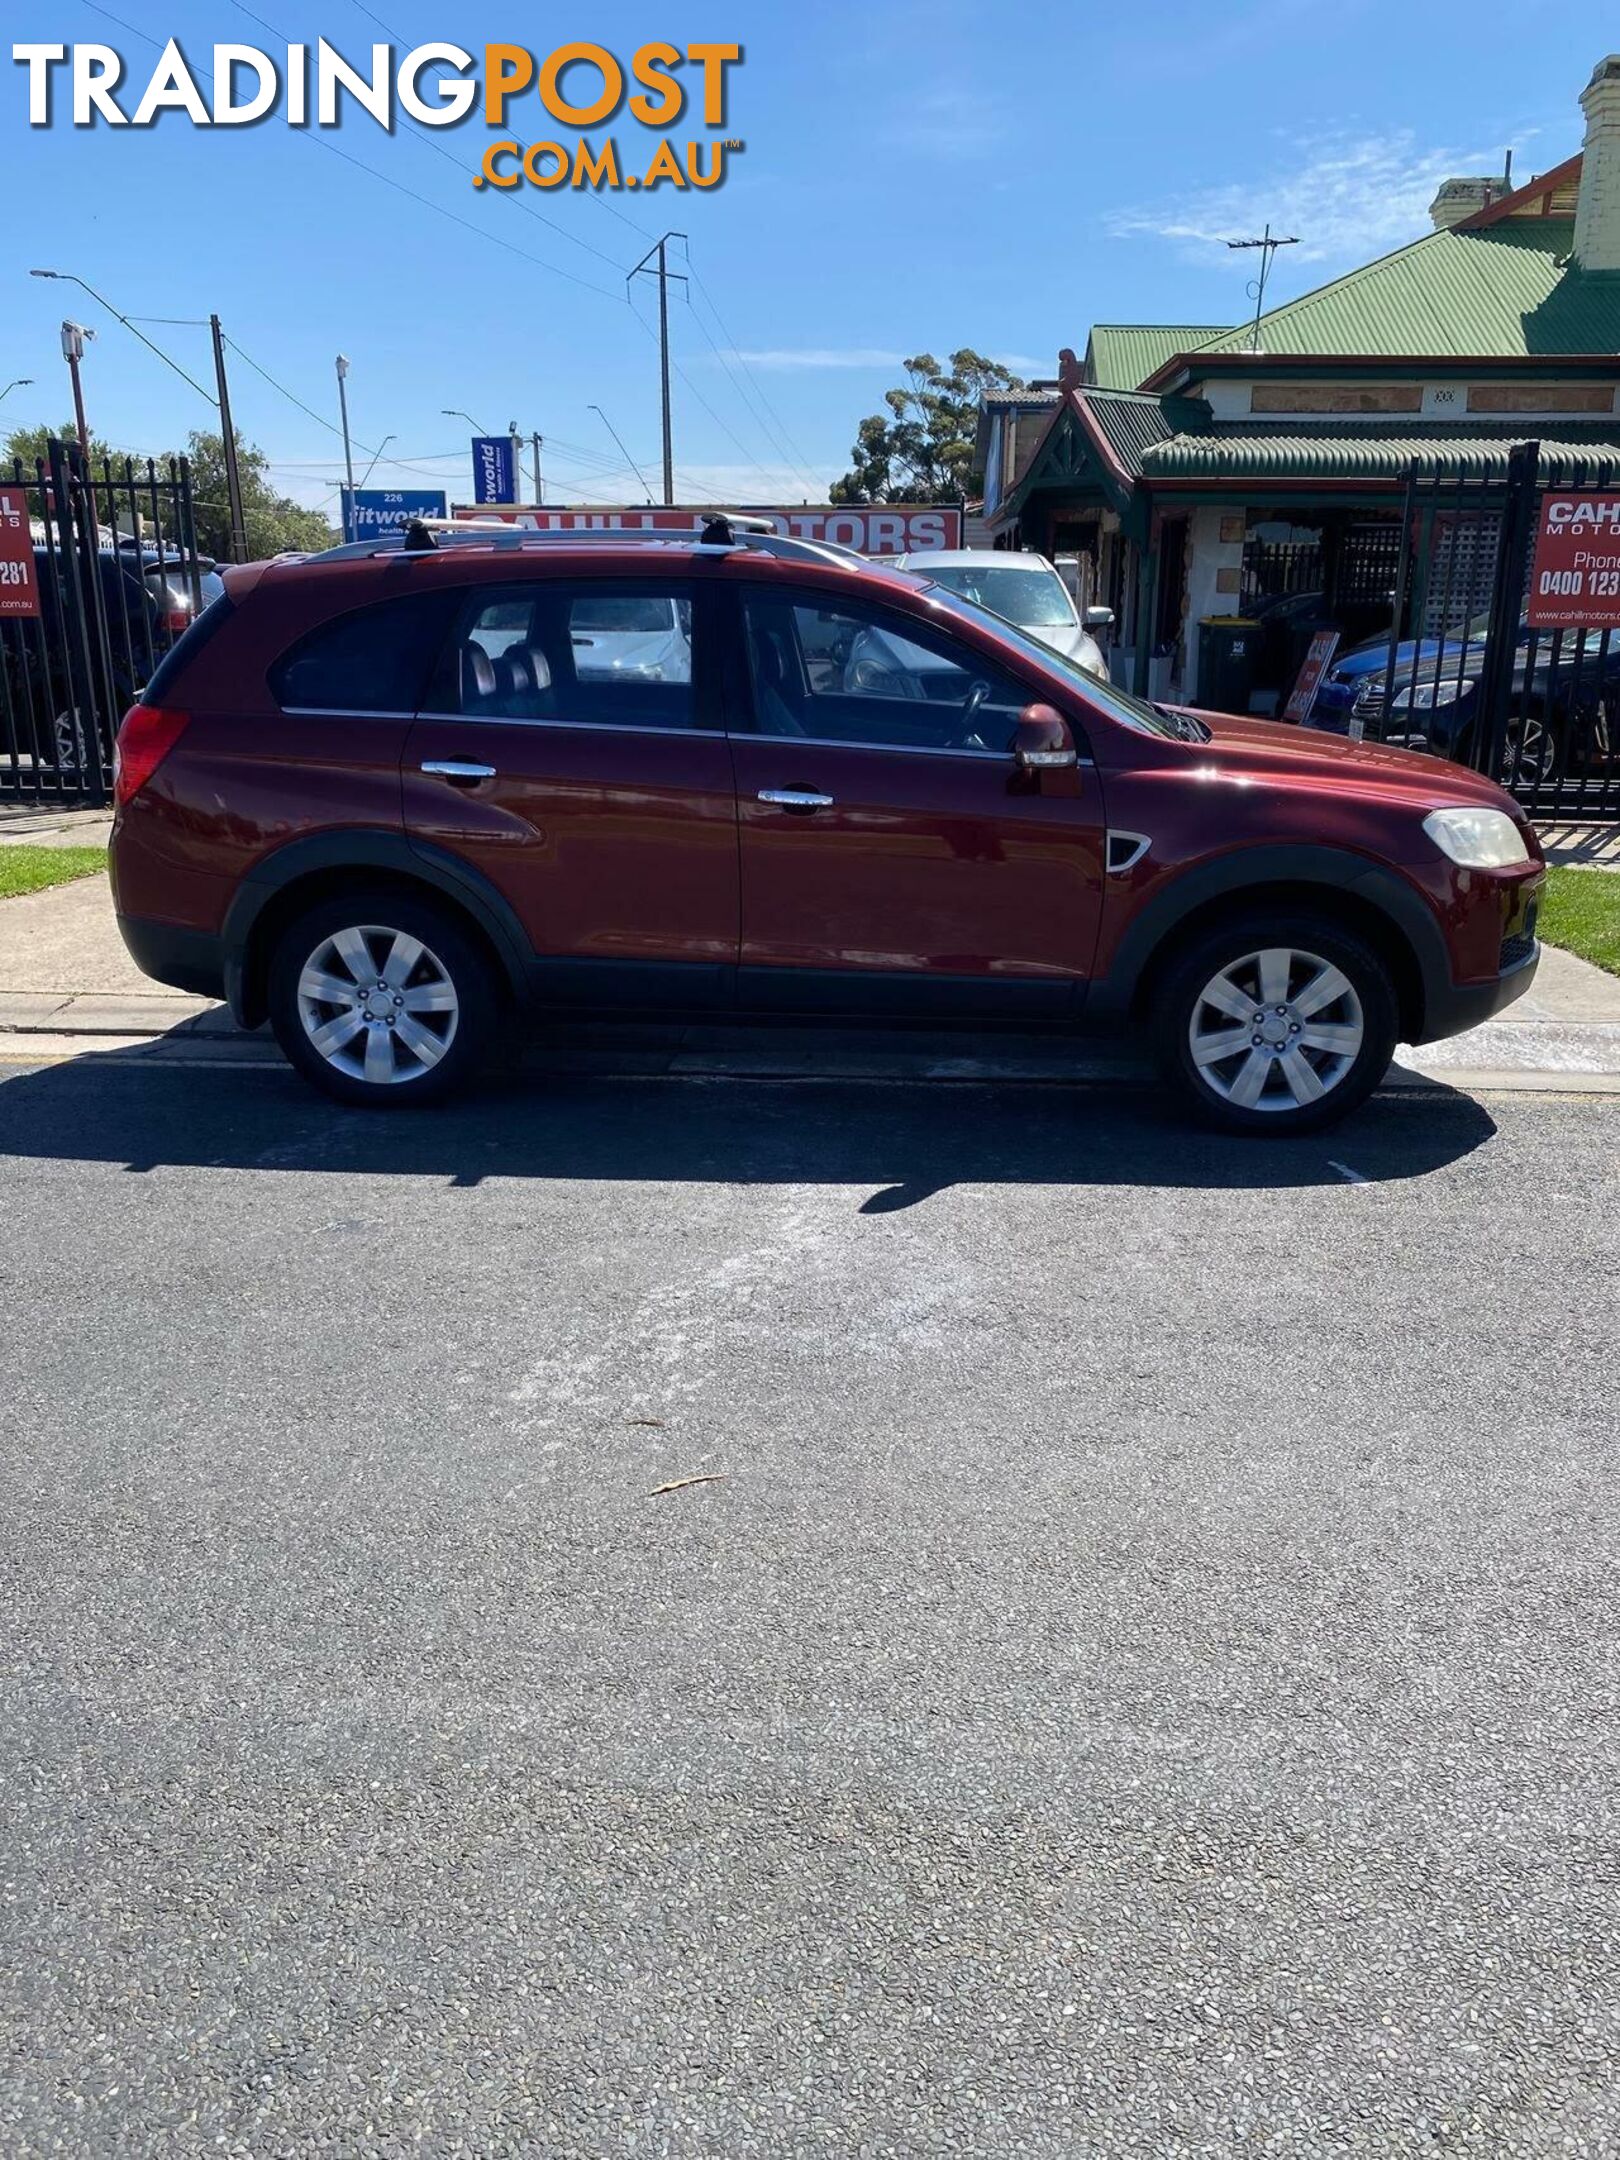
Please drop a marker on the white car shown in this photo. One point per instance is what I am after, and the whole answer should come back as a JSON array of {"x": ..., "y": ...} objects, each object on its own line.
[
  {"x": 633, "y": 640},
  {"x": 1025, "y": 589}
]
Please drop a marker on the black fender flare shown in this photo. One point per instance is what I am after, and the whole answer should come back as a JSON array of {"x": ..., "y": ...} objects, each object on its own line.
[
  {"x": 1334, "y": 870},
  {"x": 362, "y": 849}
]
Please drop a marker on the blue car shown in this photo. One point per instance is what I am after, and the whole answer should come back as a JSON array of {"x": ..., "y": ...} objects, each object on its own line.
[
  {"x": 1557, "y": 709},
  {"x": 1353, "y": 688}
]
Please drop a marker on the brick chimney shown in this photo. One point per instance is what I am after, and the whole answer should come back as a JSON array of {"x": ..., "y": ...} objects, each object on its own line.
[
  {"x": 1459, "y": 199},
  {"x": 1597, "y": 206}
]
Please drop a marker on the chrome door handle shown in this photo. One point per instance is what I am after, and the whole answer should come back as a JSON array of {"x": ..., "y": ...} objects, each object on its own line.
[
  {"x": 795, "y": 798},
  {"x": 457, "y": 769}
]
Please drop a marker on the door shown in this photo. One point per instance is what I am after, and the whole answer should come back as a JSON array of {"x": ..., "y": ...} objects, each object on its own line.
[
  {"x": 894, "y": 857},
  {"x": 571, "y": 749}
]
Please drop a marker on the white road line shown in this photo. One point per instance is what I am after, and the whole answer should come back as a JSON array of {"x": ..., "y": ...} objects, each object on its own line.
[{"x": 1351, "y": 1177}]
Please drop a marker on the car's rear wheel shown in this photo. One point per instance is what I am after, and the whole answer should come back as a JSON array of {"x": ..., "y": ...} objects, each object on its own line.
[
  {"x": 1277, "y": 1024},
  {"x": 381, "y": 999}
]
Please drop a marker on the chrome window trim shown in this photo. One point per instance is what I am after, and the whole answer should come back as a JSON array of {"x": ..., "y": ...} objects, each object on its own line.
[
  {"x": 338, "y": 712},
  {"x": 596, "y": 727},
  {"x": 833, "y": 742}
]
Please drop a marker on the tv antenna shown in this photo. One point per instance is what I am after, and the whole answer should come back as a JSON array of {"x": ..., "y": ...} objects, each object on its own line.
[{"x": 1268, "y": 244}]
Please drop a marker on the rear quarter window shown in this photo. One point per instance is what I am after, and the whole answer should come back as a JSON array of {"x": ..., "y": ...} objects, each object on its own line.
[
  {"x": 375, "y": 659},
  {"x": 166, "y": 677}
]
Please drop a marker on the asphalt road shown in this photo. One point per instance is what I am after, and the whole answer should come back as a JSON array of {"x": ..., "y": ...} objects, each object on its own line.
[{"x": 1144, "y": 1680}]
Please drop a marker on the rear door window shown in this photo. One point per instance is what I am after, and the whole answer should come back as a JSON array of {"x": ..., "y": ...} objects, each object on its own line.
[
  {"x": 608, "y": 654},
  {"x": 377, "y": 659}
]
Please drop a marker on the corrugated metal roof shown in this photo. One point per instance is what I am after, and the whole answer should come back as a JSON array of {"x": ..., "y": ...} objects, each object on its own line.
[
  {"x": 1132, "y": 423},
  {"x": 1121, "y": 356},
  {"x": 1356, "y": 454},
  {"x": 1504, "y": 291},
  {"x": 1033, "y": 395}
]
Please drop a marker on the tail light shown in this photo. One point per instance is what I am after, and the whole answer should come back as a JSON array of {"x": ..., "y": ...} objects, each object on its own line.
[
  {"x": 179, "y": 621},
  {"x": 147, "y": 735}
]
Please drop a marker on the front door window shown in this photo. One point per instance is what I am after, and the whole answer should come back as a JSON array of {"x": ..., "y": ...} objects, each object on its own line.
[{"x": 851, "y": 674}]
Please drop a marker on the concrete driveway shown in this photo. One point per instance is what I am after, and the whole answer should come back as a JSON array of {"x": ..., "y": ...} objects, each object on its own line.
[{"x": 1141, "y": 1680}]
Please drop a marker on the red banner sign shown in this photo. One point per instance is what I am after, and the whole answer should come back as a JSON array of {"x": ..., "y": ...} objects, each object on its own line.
[
  {"x": 1318, "y": 659},
  {"x": 1575, "y": 575},
  {"x": 19, "y": 585},
  {"x": 874, "y": 529}
]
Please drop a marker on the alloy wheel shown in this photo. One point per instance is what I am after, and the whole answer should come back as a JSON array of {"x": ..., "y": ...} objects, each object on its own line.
[
  {"x": 378, "y": 1004},
  {"x": 1532, "y": 753},
  {"x": 1276, "y": 1030}
]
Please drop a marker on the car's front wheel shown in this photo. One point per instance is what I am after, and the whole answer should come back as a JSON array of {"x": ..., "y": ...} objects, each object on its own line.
[
  {"x": 381, "y": 999},
  {"x": 1276, "y": 1024}
]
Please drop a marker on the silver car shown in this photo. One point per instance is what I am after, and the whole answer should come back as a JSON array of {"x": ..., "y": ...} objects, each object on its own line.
[{"x": 1025, "y": 589}]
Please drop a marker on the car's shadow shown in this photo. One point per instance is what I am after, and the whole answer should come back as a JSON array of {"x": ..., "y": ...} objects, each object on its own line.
[{"x": 903, "y": 1142}]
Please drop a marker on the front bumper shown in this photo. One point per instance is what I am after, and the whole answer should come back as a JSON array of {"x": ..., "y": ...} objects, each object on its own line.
[{"x": 1455, "y": 1007}]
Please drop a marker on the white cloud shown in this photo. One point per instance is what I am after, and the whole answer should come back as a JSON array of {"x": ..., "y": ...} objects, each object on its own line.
[
  {"x": 861, "y": 356},
  {"x": 1347, "y": 196},
  {"x": 950, "y": 118},
  {"x": 820, "y": 356},
  {"x": 755, "y": 483}
]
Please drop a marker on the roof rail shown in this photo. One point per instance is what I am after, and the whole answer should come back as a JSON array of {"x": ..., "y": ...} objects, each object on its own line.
[{"x": 722, "y": 532}]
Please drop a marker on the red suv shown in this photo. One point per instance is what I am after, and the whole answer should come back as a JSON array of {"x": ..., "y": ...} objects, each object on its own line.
[{"x": 395, "y": 796}]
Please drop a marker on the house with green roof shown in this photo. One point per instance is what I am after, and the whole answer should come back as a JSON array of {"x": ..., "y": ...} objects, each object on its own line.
[{"x": 1203, "y": 473}]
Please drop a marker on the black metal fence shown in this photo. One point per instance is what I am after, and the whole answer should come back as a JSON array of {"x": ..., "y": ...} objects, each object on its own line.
[
  {"x": 118, "y": 578},
  {"x": 1467, "y": 675}
]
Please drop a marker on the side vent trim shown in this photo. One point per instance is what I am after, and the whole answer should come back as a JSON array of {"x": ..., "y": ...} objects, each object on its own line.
[{"x": 1125, "y": 850}]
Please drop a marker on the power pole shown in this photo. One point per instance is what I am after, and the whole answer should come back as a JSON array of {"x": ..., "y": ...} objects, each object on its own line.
[
  {"x": 233, "y": 472},
  {"x": 1268, "y": 244},
  {"x": 663, "y": 274},
  {"x": 343, "y": 407},
  {"x": 537, "y": 439},
  {"x": 73, "y": 337}
]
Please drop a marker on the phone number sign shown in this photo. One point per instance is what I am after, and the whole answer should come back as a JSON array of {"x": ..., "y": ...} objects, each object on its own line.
[
  {"x": 19, "y": 587},
  {"x": 1575, "y": 572}
]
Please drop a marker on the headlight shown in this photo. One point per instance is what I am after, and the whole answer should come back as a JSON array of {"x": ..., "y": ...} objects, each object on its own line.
[
  {"x": 1477, "y": 839},
  {"x": 1424, "y": 697}
]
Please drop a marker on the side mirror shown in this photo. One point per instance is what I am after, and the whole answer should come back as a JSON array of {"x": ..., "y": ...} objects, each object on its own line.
[
  {"x": 1042, "y": 740},
  {"x": 1099, "y": 618}
]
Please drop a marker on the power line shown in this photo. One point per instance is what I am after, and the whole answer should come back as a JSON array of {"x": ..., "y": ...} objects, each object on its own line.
[
  {"x": 798, "y": 458},
  {"x": 330, "y": 426},
  {"x": 399, "y": 187},
  {"x": 428, "y": 142},
  {"x": 783, "y": 448}
]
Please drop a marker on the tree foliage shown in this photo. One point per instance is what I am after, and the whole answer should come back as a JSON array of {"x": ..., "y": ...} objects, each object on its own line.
[
  {"x": 921, "y": 450},
  {"x": 274, "y": 523}
]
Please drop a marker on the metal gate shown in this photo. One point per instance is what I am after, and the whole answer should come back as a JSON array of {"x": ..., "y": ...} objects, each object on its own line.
[
  {"x": 1467, "y": 677},
  {"x": 118, "y": 578}
]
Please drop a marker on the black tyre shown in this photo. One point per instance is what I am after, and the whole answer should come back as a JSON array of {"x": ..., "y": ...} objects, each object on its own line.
[
  {"x": 381, "y": 999},
  {"x": 1275, "y": 1024}
]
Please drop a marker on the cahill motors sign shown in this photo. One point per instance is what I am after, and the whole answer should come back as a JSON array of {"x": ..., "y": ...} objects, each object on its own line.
[
  {"x": 881, "y": 529},
  {"x": 1575, "y": 576}
]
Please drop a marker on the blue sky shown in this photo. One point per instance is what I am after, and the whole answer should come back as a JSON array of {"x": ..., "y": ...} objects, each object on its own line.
[{"x": 917, "y": 175}]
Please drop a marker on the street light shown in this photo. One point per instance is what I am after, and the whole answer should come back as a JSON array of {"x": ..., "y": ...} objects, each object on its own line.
[
  {"x": 629, "y": 460},
  {"x": 19, "y": 382},
  {"x": 343, "y": 405},
  {"x": 67, "y": 277},
  {"x": 220, "y": 399},
  {"x": 73, "y": 341},
  {"x": 372, "y": 467},
  {"x": 454, "y": 412}
]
